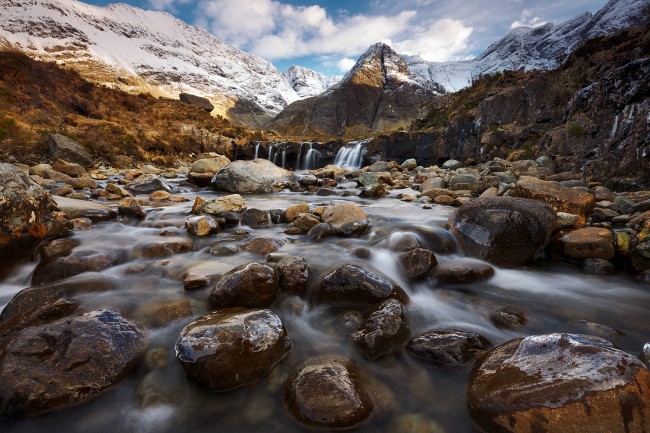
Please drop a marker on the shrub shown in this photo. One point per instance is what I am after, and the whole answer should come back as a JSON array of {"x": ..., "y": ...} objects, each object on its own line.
[{"x": 575, "y": 130}]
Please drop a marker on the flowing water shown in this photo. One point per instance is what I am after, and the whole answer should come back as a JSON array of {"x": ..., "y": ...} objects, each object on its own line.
[{"x": 555, "y": 298}]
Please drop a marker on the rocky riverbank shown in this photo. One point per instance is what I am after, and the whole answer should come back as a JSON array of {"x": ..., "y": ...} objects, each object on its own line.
[{"x": 330, "y": 298}]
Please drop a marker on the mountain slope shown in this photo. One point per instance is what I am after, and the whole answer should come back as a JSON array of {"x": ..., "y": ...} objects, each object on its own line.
[
  {"x": 308, "y": 83},
  {"x": 145, "y": 51},
  {"x": 540, "y": 48},
  {"x": 379, "y": 94}
]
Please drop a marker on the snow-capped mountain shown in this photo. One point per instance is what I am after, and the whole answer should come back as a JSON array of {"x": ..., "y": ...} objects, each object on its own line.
[
  {"x": 539, "y": 48},
  {"x": 308, "y": 83},
  {"x": 137, "y": 50}
]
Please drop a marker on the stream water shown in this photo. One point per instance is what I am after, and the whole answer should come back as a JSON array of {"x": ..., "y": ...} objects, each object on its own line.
[{"x": 555, "y": 297}]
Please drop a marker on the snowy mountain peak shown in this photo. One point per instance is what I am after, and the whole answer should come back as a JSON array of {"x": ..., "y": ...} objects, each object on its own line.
[
  {"x": 308, "y": 83},
  {"x": 145, "y": 51}
]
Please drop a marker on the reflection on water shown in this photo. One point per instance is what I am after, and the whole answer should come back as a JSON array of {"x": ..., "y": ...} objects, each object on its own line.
[{"x": 158, "y": 398}]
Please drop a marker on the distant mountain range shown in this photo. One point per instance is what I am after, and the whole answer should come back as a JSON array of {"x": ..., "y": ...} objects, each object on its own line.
[{"x": 144, "y": 51}]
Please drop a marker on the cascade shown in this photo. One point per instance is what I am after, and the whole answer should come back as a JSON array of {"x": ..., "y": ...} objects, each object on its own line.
[
  {"x": 257, "y": 149},
  {"x": 351, "y": 156},
  {"x": 312, "y": 158}
]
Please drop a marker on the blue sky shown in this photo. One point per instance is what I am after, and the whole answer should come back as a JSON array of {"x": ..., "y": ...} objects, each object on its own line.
[{"x": 329, "y": 36}]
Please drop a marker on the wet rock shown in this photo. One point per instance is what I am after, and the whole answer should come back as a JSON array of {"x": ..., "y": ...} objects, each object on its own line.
[
  {"x": 96, "y": 212},
  {"x": 643, "y": 206},
  {"x": 148, "y": 183},
  {"x": 508, "y": 318},
  {"x": 325, "y": 192},
  {"x": 560, "y": 383},
  {"x": 417, "y": 263},
  {"x": 166, "y": 249},
  {"x": 327, "y": 394},
  {"x": 69, "y": 168},
  {"x": 160, "y": 196},
  {"x": 321, "y": 231},
  {"x": 220, "y": 205},
  {"x": 294, "y": 275},
  {"x": 448, "y": 347},
  {"x": 452, "y": 164},
  {"x": 306, "y": 222},
  {"x": 129, "y": 206},
  {"x": 230, "y": 348},
  {"x": 566, "y": 220},
  {"x": 463, "y": 272},
  {"x": 597, "y": 267},
  {"x": 357, "y": 286},
  {"x": 77, "y": 262},
  {"x": 640, "y": 256},
  {"x": 263, "y": 246},
  {"x": 561, "y": 198},
  {"x": 506, "y": 231},
  {"x": 27, "y": 213},
  {"x": 161, "y": 312},
  {"x": 203, "y": 170},
  {"x": 202, "y": 225},
  {"x": 463, "y": 181},
  {"x": 255, "y": 218},
  {"x": 590, "y": 242},
  {"x": 195, "y": 282},
  {"x": 256, "y": 176},
  {"x": 385, "y": 331},
  {"x": 28, "y": 302},
  {"x": 347, "y": 219},
  {"x": 62, "y": 147},
  {"x": 82, "y": 183},
  {"x": 410, "y": 164},
  {"x": 57, "y": 248},
  {"x": 253, "y": 285},
  {"x": 292, "y": 212},
  {"x": 374, "y": 191},
  {"x": 66, "y": 362},
  {"x": 433, "y": 184}
]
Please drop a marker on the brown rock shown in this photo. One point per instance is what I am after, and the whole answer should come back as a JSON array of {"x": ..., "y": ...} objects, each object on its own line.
[
  {"x": 131, "y": 207},
  {"x": 346, "y": 218},
  {"x": 560, "y": 383},
  {"x": 292, "y": 212},
  {"x": 417, "y": 263},
  {"x": 263, "y": 246},
  {"x": 561, "y": 198},
  {"x": 46, "y": 367},
  {"x": 202, "y": 225},
  {"x": 84, "y": 209},
  {"x": 327, "y": 393},
  {"x": 448, "y": 347},
  {"x": 294, "y": 275},
  {"x": 166, "y": 249},
  {"x": 385, "y": 331},
  {"x": 463, "y": 272},
  {"x": 320, "y": 231},
  {"x": 230, "y": 348},
  {"x": 591, "y": 242},
  {"x": 252, "y": 285}
]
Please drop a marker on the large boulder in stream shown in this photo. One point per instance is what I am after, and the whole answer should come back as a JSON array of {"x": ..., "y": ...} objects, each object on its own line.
[
  {"x": 253, "y": 285},
  {"x": 560, "y": 383},
  {"x": 506, "y": 231},
  {"x": 232, "y": 347},
  {"x": 385, "y": 331},
  {"x": 347, "y": 219},
  {"x": 257, "y": 176},
  {"x": 27, "y": 213},
  {"x": 69, "y": 361}
]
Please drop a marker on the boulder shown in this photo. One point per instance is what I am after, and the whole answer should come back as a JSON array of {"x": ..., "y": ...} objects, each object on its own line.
[
  {"x": 560, "y": 383},
  {"x": 347, "y": 219},
  {"x": 463, "y": 272},
  {"x": 75, "y": 263},
  {"x": 357, "y": 286},
  {"x": 62, "y": 147},
  {"x": 66, "y": 362},
  {"x": 263, "y": 246},
  {"x": 73, "y": 208},
  {"x": 417, "y": 263},
  {"x": 147, "y": 184},
  {"x": 327, "y": 393},
  {"x": 27, "y": 213},
  {"x": 448, "y": 347},
  {"x": 590, "y": 242},
  {"x": 561, "y": 198},
  {"x": 219, "y": 205},
  {"x": 230, "y": 348},
  {"x": 201, "y": 225},
  {"x": 199, "y": 101},
  {"x": 252, "y": 285},
  {"x": 508, "y": 318},
  {"x": 506, "y": 231},
  {"x": 69, "y": 168},
  {"x": 129, "y": 206},
  {"x": 203, "y": 170},
  {"x": 292, "y": 212},
  {"x": 257, "y": 176},
  {"x": 255, "y": 218},
  {"x": 294, "y": 275},
  {"x": 385, "y": 331},
  {"x": 321, "y": 231}
]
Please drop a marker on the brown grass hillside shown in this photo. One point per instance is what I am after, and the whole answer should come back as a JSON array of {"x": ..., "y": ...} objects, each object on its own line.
[{"x": 38, "y": 98}]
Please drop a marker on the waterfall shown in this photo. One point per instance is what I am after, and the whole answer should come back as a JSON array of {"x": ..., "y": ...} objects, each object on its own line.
[
  {"x": 257, "y": 149},
  {"x": 271, "y": 152},
  {"x": 350, "y": 157},
  {"x": 298, "y": 158},
  {"x": 312, "y": 159},
  {"x": 284, "y": 157}
]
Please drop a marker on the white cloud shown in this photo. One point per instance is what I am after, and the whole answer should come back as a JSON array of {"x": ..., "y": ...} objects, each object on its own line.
[
  {"x": 345, "y": 64},
  {"x": 166, "y": 5},
  {"x": 278, "y": 31},
  {"x": 527, "y": 20}
]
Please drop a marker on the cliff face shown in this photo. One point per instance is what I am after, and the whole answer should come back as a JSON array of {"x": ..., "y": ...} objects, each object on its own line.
[
  {"x": 591, "y": 115},
  {"x": 379, "y": 94}
]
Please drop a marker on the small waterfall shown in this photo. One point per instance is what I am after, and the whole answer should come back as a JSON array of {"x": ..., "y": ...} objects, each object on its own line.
[
  {"x": 298, "y": 158},
  {"x": 312, "y": 159},
  {"x": 271, "y": 152},
  {"x": 350, "y": 157},
  {"x": 284, "y": 157},
  {"x": 257, "y": 149}
]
